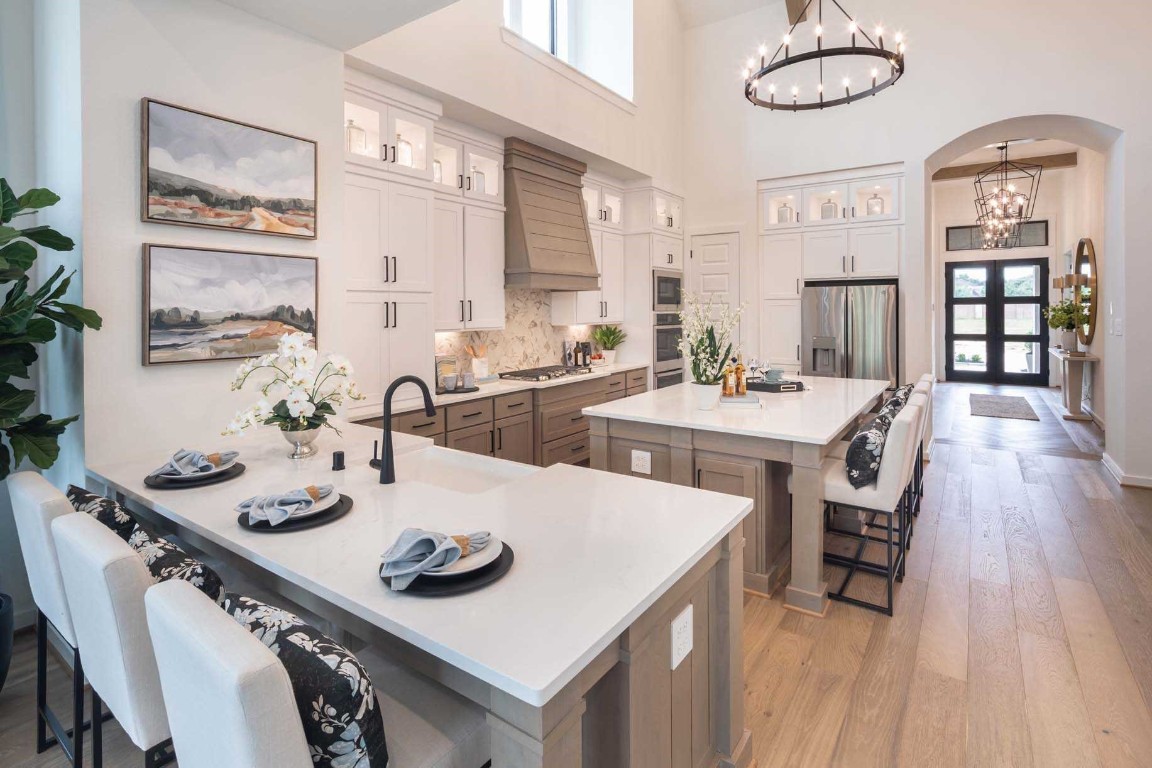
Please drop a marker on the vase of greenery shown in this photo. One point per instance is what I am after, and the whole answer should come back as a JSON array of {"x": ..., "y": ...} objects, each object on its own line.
[
  {"x": 608, "y": 338},
  {"x": 28, "y": 317},
  {"x": 706, "y": 343},
  {"x": 306, "y": 388},
  {"x": 1066, "y": 317}
]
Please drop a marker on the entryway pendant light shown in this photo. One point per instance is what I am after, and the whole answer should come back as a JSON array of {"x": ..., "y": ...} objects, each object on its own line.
[
  {"x": 784, "y": 83},
  {"x": 1005, "y": 199}
]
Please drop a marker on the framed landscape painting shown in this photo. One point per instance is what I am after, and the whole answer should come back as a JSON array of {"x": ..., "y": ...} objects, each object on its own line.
[
  {"x": 209, "y": 304},
  {"x": 206, "y": 171}
]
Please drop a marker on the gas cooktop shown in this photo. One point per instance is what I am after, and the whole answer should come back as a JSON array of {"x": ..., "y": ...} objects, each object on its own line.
[{"x": 547, "y": 372}]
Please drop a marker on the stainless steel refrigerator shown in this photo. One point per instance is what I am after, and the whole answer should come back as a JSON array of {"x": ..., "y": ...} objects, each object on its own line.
[{"x": 851, "y": 330}]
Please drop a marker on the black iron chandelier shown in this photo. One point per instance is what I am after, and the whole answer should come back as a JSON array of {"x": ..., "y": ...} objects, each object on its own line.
[
  {"x": 1005, "y": 199},
  {"x": 760, "y": 82}
]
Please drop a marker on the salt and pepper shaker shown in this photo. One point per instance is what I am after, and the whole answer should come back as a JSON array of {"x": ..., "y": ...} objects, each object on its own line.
[{"x": 337, "y": 461}]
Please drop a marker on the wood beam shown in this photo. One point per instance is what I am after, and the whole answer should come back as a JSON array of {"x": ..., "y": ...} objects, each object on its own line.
[{"x": 1049, "y": 162}]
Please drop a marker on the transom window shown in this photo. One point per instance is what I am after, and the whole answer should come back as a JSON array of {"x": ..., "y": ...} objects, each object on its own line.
[
  {"x": 971, "y": 238},
  {"x": 594, "y": 36}
]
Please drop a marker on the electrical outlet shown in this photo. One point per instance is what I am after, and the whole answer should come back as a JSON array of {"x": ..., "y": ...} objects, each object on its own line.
[
  {"x": 642, "y": 462},
  {"x": 1118, "y": 326},
  {"x": 682, "y": 636}
]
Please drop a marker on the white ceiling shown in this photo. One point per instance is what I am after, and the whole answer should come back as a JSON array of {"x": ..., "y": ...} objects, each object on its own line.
[
  {"x": 342, "y": 24},
  {"x": 697, "y": 13},
  {"x": 1017, "y": 149}
]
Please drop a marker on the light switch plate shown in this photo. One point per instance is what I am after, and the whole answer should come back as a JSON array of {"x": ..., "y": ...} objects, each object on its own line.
[
  {"x": 681, "y": 636},
  {"x": 642, "y": 462}
]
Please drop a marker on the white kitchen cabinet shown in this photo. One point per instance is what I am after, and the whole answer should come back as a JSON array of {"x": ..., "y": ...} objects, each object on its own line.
[
  {"x": 825, "y": 254},
  {"x": 604, "y": 205},
  {"x": 780, "y": 209},
  {"x": 381, "y": 135},
  {"x": 780, "y": 332},
  {"x": 668, "y": 212},
  {"x": 781, "y": 258},
  {"x": 875, "y": 200},
  {"x": 667, "y": 252},
  {"x": 825, "y": 205},
  {"x": 389, "y": 335},
  {"x": 448, "y": 166},
  {"x": 874, "y": 252},
  {"x": 648, "y": 208},
  {"x": 388, "y": 235},
  {"x": 469, "y": 259},
  {"x": 483, "y": 174},
  {"x": 602, "y": 306}
]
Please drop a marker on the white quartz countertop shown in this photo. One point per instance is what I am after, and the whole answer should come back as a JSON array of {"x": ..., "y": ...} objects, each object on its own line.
[
  {"x": 593, "y": 550},
  {"x": 494, "y": 388},
  {"x": 817, "y": 415}
]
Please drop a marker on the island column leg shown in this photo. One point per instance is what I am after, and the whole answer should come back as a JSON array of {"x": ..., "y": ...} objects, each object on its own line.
[
  {"x": 733, "y": 739},
  {"x": 807, "y": 591},
  {"x": 562, "y": 747}
]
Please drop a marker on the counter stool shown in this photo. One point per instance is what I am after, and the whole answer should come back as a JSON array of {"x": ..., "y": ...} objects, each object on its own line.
[
  {"x": 887, "y": 499},
  {"x": 230, "y": 699},
  {"x": 35, "y": 504},
  {"x": 105, "y": 581},
  {"x": 927, "y": 387}
]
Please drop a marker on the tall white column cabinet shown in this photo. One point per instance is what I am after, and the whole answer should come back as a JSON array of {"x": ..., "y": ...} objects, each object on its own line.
[{"x": 835, "y": 226}]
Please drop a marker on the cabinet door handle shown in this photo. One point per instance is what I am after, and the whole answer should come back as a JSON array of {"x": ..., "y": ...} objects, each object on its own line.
[
  {"x": 491, "y": 442},
  {"x": 853, "y": 211},
  {"x": 384, "y": 158},
  {"x": 844, "y": 212},
  {"x": 797, "y": 286},
  {"x": 387, "y": 315},
  {"x": 797, "y": 217},
  {"x": 395, "y": 270},
  {"x": 460, "y": 181},
  {"x": 469, "y": 183},
  {"x": 395, "y": 316},
  {"x": 461, "y": 310},
  {"x": 469, "y": 309},
  {"x": 499, "y": 438},
  {"x": 797, "y": 351},
  {"x": 853, "y": 262},
  {"x": 843, "y": 263},
  {"x": 387, "y": 271},
  {"x": 698, "y": 481}
]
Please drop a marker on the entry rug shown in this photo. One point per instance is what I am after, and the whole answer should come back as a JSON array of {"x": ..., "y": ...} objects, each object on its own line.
[{"x": 1002, "y": 407}]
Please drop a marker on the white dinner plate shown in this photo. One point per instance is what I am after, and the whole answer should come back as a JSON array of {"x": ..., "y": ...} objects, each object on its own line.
[
  {"x": 325, "y": 503},
  {"x": 199, "y": 475},
  {"x": 472, "y": 562}
]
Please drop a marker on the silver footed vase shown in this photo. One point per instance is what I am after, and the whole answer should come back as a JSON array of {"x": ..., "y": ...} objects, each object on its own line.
[{"x": 301, "y": 441}]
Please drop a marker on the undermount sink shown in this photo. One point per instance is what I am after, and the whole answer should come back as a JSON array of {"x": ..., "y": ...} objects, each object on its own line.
[{"x": 457, "y": 470}]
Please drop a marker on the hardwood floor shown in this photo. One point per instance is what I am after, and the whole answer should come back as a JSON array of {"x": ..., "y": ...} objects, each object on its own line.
[
  {"x": 1021, "y": 635},
  {"x": 1022, "y": 629}
]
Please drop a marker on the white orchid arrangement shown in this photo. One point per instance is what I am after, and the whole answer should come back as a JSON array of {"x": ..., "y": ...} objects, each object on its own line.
[
  {"x": 706, "y": 337},
  {"x": 306, "y": 389}
]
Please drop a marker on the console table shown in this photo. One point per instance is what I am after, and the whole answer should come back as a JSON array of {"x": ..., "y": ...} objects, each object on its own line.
[{"x": 1072, "y": 368}]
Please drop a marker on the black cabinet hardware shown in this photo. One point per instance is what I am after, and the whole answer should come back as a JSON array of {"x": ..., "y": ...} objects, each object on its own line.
[
  {"x": 461, "y": 310},
  {"x": 472, "y": 415},
  {"x": 395, "y": 316},
  {"x": 469, "y": 309}
]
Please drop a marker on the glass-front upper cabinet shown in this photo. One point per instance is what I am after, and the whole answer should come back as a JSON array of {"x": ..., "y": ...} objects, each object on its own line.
[
  {"x": 825, "y": 205},
  {"x": 780, "y": 209},
  {"x": 875, "y": 199},
  {"x": 483, "y": 174},
  {"x": 380, "y": 135},
  {"x": 667, "y": 212},
  {"x": 448, "y": 166},
  {"x": 605, "y": 205}
]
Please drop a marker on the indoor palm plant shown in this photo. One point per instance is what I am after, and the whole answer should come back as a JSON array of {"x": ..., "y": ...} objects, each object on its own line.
[
  {"x": 28, "y": 317},
  {"x": 608, "y": 338},
  {"x": 706, "y": 341},
  {"x": 1066, "y": 316}
]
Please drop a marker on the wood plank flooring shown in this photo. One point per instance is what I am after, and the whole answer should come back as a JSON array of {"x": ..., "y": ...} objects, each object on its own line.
[{"x": 1022, "y": 634}]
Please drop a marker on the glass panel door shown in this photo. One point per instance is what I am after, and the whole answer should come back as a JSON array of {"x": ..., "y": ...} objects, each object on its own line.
[{"x": 993, "y": 327}]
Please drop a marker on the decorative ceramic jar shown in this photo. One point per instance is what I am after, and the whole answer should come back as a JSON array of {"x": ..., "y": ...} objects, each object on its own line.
[{"x": 707, "y": 395}]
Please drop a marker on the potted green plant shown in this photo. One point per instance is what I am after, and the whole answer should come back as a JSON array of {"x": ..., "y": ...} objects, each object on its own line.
[
  {"x": 1066, "y": 316},
  {"x": 706, "y": 342},
  {"x": 608, "y": 338},
  {"x": 28, "y": 317}
]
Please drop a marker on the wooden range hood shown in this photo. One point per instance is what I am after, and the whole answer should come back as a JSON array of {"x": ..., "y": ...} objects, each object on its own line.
[{"x": 547, "y": 242}]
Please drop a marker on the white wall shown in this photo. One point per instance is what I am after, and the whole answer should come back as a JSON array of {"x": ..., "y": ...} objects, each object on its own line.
[
  {"x": 459, "y": 52},
  {"x": 1071, "y": 64},
  {"x": 212, "y": 57}
]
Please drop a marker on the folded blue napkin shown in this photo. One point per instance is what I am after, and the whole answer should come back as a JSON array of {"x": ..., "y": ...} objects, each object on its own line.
[
  {"x": 277, "y": 508},
  {"x": 417, "y": 551},
  {"x": 185, "y": 462}
]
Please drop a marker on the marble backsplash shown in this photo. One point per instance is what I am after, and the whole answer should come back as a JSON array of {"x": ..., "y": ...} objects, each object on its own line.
[{"x": 528, "y": 340}]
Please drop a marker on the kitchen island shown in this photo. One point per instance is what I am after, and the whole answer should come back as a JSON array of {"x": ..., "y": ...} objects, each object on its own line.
[
  {"x": 570, "y": 653},
  {"x": 747, "y": 452}
]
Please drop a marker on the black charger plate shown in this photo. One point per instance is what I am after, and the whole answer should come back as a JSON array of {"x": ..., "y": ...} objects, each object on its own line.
[
  {"x": 168, "y": 484},
  {"x": 445, "y": 586},
  {"x": 335, "y": 512}
]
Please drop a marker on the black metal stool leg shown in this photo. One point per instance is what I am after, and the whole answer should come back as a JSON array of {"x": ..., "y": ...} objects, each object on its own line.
[
  {"x": 42, "y": 742},
  {"x": 78, "y": 711},
  {"x": 97, "y": 732}
]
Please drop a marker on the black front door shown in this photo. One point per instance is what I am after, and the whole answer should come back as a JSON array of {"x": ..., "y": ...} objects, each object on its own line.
[{"x": 994, "y": 329}]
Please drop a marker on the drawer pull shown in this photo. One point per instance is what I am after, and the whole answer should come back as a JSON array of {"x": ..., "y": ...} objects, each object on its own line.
[
  {"x": 472, "y": 415},
  {"x": 577, "y": 418},
  {"x": 577, "y": 448},
  {"x": 422, "y": 426},
  {"x": 615, "y": 384},
  {"x": 516, "y": 405}
]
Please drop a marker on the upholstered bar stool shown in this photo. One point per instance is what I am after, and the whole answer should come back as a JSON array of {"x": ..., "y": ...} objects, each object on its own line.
[
  {"x": 35, "y": 504},
  {"x": 105, "y": 581},
  {"x": 927, "y": 387},
  {"x": 230, "y": 699},
  {"x": 887, "y": 499}
]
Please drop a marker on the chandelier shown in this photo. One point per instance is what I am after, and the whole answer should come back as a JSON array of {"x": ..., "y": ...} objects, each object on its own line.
[
  {"x": 760, "y": 80},
  {"x": 1005, "y": 199}
]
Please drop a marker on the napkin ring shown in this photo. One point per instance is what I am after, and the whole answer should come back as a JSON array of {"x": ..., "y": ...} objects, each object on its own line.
[
  {"x": 213, "y": 459},
  {"x": 465, "y": 544},
  {"x": 313, "y": 492}
]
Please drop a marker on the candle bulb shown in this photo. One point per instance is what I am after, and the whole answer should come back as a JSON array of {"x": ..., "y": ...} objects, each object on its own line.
[
  {"x": 847, "y": 85},
  {"x": 880, "y": 36},
  {"x": 795, "y": 93},
  {"x": 875, "y": 73},
  {"x": 787, "y": 44},
  {"x": 852, "y": 30}
]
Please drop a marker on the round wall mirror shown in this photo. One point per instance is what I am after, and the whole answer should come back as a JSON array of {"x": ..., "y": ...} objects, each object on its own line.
[{"x": 1089, "y": 292}]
